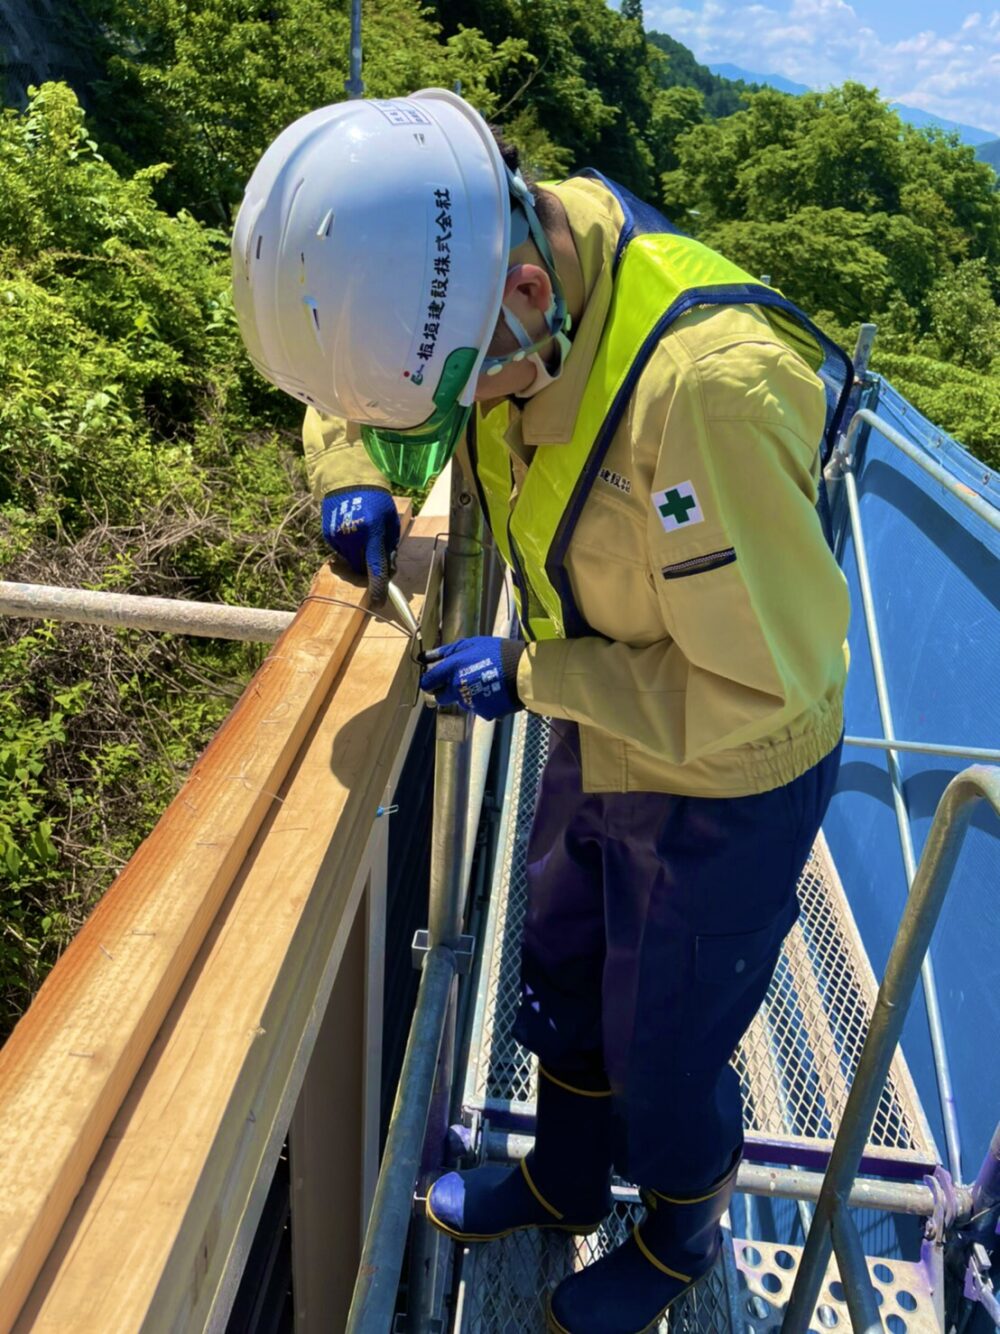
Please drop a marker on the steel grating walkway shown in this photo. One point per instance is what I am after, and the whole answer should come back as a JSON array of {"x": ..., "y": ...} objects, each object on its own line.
[
  {"x": 795, "y": 1064},
  {"x": 503, "y": 1286}
]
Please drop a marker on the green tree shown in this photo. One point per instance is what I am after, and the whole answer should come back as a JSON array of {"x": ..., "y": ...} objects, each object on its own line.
[
  {"x": 965, "y": 319},
  {"x": 677, "y": 68},
  {"x": 963, "y": 401},
  {"x": 851, "y": 211},
  {"x": 591, "y": 88},
  {"x": 206, "y": 87},
  {"x": 675, "y": 112},
  {"x": 139, "y": 451}
]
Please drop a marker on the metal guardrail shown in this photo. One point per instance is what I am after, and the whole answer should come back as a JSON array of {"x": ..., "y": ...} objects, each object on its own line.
[
  {"x": 420, "y": 1115},
  {"x": 843, "y": 468},
  {"x": 982, "y": 754},
  {"x": 389, "y": 1223},
  {"x": 178, "y": 616},
  {"x": 173, "y": 615},
  {"x": 833, "y": 1228},
  {"x": 962, "y": 493},
  {"x": 941, "y": 1064}
]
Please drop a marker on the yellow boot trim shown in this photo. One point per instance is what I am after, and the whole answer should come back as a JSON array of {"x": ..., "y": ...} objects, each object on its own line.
[
  {"x": 690, "y": 1199},
  {"x": 581, "y": 1093},
  {"x": 538, "y": 1194},
  {"x": 462, "y": 1236},
  {"x": 717, "y": 1189},
  {"x": 671, "y": 1273}
]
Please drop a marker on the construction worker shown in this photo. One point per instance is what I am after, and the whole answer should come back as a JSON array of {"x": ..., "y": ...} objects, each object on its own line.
[{"x": 644, "y": 422}]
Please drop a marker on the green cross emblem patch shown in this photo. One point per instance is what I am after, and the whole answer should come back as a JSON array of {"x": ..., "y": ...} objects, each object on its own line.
[{"x": 677, "y": 507}]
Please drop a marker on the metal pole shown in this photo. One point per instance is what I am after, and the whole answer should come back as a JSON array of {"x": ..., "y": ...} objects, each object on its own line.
[
  {"x": 978, "y": 753},
  {"x": 920, "y": 915},
  {"x": 463, "y": 582},
  {"x": 385, "y": 1240},
  {"x": 986, "y": 1191},
  {"x": 785, "y": 1183},
  {"x": 987, "y": 512},
  {"x": 942, "y": 1069},
  {"x": 863, "y": 353},
  {"x": 353, "y": 85},
  {"x": 859, "y": 1293},
  {"x": 463, "y": 579},
  {"x": 214, "y": 620}
]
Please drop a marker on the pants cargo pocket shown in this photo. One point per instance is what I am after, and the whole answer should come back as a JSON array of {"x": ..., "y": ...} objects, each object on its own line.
[{"x": 731, "y": 977}]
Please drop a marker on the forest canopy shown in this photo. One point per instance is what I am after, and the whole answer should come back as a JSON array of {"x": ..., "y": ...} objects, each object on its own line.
[{"x": 141, "y": 453}]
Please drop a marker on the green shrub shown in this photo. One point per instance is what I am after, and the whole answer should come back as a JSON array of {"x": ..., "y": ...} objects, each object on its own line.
[
  {"x": 962, "y": 401},
  {"x": 139, "y": 452}
]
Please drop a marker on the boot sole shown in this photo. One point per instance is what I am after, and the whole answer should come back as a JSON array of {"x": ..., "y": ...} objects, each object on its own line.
[
  {"x": 577, "y": 1229},
  {"x": 553, "y": 1326}
]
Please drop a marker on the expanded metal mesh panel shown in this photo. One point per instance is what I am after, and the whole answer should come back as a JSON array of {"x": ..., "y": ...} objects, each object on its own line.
[
  {"x": 506, "y": 1284},
  {"x": 501, "y": 1070},
  {"x": 798, "y": 1058}
]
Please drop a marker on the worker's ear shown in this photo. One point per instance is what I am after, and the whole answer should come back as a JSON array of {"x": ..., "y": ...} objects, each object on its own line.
[{"x": 528, "y": 287}]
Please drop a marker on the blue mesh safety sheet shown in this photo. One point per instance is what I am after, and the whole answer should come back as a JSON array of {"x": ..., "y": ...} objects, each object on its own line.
[{"x": 935, "y": 572}]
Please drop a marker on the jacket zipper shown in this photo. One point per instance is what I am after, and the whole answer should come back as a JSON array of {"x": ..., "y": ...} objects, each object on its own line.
[{"x": 712, "y": 561}]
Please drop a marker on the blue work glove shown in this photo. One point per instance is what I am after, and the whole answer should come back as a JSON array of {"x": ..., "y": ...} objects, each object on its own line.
[
  {"x": 478, "y": 674},
  {"x": 361, "y": 524}
]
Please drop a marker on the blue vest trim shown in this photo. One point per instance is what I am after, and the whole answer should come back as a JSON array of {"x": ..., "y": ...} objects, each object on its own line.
[
  {"x": 574, "y": 625},
  {"x": 836, "y": 373},
  {"x": 640, "y": 217}
]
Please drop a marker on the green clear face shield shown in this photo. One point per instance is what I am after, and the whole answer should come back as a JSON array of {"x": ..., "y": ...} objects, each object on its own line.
[{"x": 413, "y": 456}]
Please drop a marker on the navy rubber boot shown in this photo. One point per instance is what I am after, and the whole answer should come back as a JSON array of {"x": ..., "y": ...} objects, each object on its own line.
[
  {"x": 565, "y": 1182},
  {"x": 628, "y": 1291}
]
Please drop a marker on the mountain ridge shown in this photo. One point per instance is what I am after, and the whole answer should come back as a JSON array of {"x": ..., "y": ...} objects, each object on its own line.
[{"x": 969, "y": 134}]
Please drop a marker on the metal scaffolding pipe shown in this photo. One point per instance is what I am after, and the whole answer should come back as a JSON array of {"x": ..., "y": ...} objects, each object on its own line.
[
  {"x": 213, "y": 620},
  {"x": 353, "y": 85},
  {"x": 942, "y": 1069},
  {"x": 463, "y": 581},
  {"x": 461, "y": 611},
  {"x": 784, "y": 1183},
  {"x": 859, "y": 1292},
  {"x": 920, "y": 915},
  {"x": 980, "y": 754},
  {"x": 375, "y": 1289}
]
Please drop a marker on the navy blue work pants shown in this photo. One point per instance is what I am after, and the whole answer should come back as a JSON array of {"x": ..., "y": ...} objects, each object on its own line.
[{"x": 654, "y": 923}]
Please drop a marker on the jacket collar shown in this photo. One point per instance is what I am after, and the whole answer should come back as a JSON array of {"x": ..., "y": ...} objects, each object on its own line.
[{"x": 595, "y": 220}]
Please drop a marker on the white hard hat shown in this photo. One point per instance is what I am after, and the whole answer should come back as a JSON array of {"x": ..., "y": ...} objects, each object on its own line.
[{"x": 369, "y": 259}]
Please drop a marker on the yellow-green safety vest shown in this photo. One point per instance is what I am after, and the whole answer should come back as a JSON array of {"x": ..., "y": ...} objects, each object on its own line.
[{"x": 660, "y": 274}]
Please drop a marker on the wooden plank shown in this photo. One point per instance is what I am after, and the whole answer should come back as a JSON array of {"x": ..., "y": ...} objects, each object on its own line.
[
  {"x": 149, "y": 1241},
  {"x": 325, "y": 1151},
  {"x": 71, "y": 1060}
]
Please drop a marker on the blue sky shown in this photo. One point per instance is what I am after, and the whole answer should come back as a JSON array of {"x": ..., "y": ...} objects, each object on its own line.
[{"x": 941, "y": 57}]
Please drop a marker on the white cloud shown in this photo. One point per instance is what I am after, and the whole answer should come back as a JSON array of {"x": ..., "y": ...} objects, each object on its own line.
[{"x": 953, "y": 73}]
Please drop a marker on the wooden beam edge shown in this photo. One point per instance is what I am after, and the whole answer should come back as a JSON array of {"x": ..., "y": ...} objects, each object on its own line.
[
  {"x": 193, "y": 1257},
  {"x": 67, "y": 1067}
]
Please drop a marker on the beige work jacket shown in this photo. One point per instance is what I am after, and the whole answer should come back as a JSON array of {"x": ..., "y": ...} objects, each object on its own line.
[{"x": 717, "y": 663}]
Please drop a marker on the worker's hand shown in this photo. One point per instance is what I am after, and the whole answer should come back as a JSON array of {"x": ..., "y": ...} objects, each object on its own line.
[
  {"x": 362, "y": 526},
  {"x": 479, "y": 675}
]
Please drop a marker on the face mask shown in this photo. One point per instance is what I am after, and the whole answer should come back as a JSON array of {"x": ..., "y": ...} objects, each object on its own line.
[
  {"x": 556, "y": 329},
  {"x": 543, "y": 376}
]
